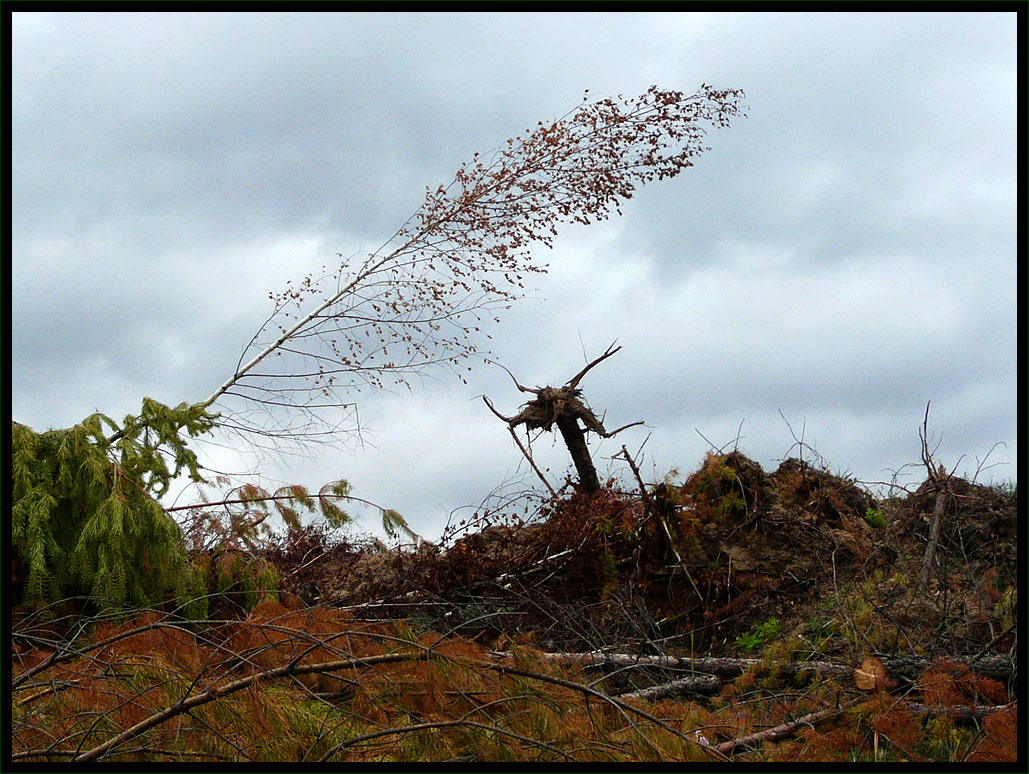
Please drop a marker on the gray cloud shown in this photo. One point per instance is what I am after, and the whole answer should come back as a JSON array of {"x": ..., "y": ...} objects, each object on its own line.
[{"x": 844, "y": 254}]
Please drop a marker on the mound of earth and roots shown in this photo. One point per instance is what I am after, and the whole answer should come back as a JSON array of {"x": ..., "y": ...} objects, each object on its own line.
[
  {"x": 697, "y": 566},
  {"x": 741, "y": 614}
]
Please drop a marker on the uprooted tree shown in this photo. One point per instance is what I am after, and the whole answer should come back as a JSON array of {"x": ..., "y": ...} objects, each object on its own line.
[
  {"x": 563, "y": 407},
  {"x": 416, "y": 302}
]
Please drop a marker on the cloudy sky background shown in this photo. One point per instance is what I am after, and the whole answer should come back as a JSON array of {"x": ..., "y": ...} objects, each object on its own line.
[{"x": 843, "y": 255}]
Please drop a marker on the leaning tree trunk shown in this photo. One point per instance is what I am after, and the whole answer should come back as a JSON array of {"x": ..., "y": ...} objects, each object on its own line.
[{"x": 575, "y": 440}]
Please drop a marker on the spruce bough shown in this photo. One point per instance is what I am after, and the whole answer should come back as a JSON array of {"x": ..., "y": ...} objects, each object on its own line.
[{"x": 85, "y": 518}]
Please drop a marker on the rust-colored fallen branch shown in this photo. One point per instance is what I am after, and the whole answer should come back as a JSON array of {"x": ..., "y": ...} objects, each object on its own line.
[
  {"x": 415, "y": 727},
  {"x": 69, "y": 653},
  {"x": 616, "y": 702}
]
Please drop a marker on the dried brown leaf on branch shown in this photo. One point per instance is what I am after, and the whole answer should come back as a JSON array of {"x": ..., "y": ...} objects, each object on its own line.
[{"x": 871, "y": 675}]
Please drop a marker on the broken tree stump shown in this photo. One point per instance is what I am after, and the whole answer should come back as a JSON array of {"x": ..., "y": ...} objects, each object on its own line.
[{"x": 564, "y": 408}]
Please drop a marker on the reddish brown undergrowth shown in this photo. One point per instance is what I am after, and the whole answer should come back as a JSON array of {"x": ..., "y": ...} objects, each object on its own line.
[{"x": 777, "y": 615}]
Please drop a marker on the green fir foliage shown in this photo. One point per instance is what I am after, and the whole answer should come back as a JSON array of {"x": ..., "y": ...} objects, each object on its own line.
[{"x": 84, "y": 517}]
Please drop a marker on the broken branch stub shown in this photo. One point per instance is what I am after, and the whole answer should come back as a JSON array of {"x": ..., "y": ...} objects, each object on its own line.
[{"x": 565, "y": 408}]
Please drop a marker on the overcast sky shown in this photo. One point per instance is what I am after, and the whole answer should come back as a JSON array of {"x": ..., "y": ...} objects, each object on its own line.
[{"x": 843, "y": 255}]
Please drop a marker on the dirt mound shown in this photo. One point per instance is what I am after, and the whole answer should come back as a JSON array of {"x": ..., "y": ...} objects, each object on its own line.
[
  {"x": 732, "y": 551},
  {"x": 981, "y": 519}
]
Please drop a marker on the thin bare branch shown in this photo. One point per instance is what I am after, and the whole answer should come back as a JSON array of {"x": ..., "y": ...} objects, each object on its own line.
[
  {"x": 532, "y": 462},
  {"x": 778, "y": 732},
  {"x": 704, "y": 684},
  {"x": 574, "y": 381},
  {"x": 520, "y": 387},
  {"x": 500, "y": 416},
  {"x": 397, "y": 730},
  {"x": 613, "y": 433},
  {"x": 621, "y": 705}
]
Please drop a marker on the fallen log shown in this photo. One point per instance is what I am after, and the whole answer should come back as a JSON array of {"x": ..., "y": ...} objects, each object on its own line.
[
  {"x": 998, "y": 667},
  {"x": 962, "y": 715},
  {"x": 726, "y": 667},
  {"x": 772, "y": 734},
  {"x": 703, "y": 684}
]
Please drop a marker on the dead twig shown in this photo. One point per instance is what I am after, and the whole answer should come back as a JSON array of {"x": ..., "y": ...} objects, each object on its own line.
[
  {"x": 621, "y": 705},
  {"x": 518, "y": 441},
  {"x": 493, "y": 729},
  {"x": 574, "y": 381},
  {"x": 648, "y": 505},
  {"x": 940, "y": 481}
]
